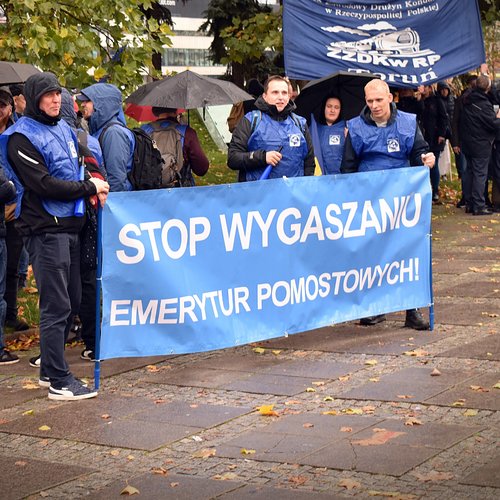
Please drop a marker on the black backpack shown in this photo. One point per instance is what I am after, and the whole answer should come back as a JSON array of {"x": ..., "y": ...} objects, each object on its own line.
[{"x": 147, "y": 163}]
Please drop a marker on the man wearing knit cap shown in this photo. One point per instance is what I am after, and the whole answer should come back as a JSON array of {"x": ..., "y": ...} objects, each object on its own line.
[{"x": 40, "y": 155}]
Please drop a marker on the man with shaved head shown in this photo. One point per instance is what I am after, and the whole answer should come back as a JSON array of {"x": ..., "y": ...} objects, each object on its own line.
[{"x": 382, "y": 138}]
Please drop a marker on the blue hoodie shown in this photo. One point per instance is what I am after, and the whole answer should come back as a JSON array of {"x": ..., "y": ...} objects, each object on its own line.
[
  {"x": 68, "y": 114},
  {"x": 117, "y": 141}
]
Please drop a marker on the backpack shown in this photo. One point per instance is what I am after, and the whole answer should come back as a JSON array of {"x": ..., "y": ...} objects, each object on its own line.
[
  {"x": 147, "y": 162},
  {"x": 170, "y": 141},
  {"x": 235, "y": 116}
]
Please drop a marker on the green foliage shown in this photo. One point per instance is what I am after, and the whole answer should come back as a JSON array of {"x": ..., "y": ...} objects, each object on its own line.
[{"x": 77, "y": 40}]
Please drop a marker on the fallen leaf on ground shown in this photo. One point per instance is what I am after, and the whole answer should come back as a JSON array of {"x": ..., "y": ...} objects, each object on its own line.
[
  {"x": 331, "y": 412},
  {"x": 276, "y": 352},
  {"x": 416, "y": 353},
  {"x": 470, "y": 413},
  {"x": 478, "y": 388},
  {"x": 105, "y": 416},
  {"x": 174, "y": 485},
  {"x": 29, "y": 412},
  {"x": 346, "y": 429},
  {"x": 307, "y": 425},
  {"x": 352, "y": 411},
  {"x": 227, "y": 476},
  {"x": 298, "y": 480},
  {"x": 21, "y": 463},
  {"x": 490, "y": 315},
  {"x": 293, "y": 402},
  {"x": 44, "y": 428},
  {"x": 413, "y": 421},
  {"x": 152, "y": 368},
  {"x": 159, "y": 401},
  {"x": 244, "y": 451},
  {"x": 30, "y": 289},
  {"x": 204, "y": 453},
  {"x": 267, "y": 411},
  {"x": 258, "y": 350},
  {"x": 433, "y": 475},
  {"x": 130, "y": 457},
  {"x": 329, "y": 398},
  {"x": 404, "y": 396},
  {"x": 318, "y": 384},
  {"x": 391, "y": 494},
  {"x": 198, "y": 439},
  {"x": 459, "y": 402},
  {"x": 497, "y": 386},
  {"x": 129, "y": 490},
  {"x": 114, "y": 453},
  {"x": 44, "y": 494},
  {"x": 371, "y": 362},
  {"x": 160, "y": 471},
  {"x": 310, "y": 389},
  {"x": 368, "y": 409},
  {"x": 30, "y": 386},
  {"x": 348, "y": 484},
  {"x": 344, "y": 378},
  {"x": 435, "y": 373},
  {"x": 380, "y": 436},
  {"x": 374, "y": 379}
]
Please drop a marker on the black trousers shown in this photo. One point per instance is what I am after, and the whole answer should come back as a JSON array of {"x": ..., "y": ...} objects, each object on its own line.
[
  {"x": 477, "y": 173},
  {"x": 14, "y": 243},
  {"x": 55, "y": 258},
  {"x": 88, "y": 307}
]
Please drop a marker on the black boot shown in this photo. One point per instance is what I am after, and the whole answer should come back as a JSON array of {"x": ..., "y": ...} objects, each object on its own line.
[
  {"x": 415, "y": 320},
  {"x": 372, "y": 320}
]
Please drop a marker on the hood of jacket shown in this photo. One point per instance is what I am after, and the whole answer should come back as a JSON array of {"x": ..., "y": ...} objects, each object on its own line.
[
  {"x": 34, "y": 88},
  {"x": 272, "y": 111},
  {"x": 68, "y": 113},
  {"x": 107, "y": 101}
]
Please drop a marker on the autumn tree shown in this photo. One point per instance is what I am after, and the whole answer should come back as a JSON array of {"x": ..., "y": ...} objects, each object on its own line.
[
  {"x": 84, "y": 41},
  {"x": 220, "y": 15}
]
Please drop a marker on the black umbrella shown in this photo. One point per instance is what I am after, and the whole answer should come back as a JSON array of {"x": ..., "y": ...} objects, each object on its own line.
[
  {"x": 187, "y": 90},
  {"x": 348, "y": 87},
  {"x": 11, "y": 72}
]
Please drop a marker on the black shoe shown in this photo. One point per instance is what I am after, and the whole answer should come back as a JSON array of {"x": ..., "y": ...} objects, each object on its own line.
[
  {"x": 7, "y": 358},
  {"x": 415, "y": 320},
  {"x": 88, "y": 355},
  {"x": 484, "y": 211},
  {"x": 35, "y": 361},
  {"x": 22, "y": 282},
  {"x": 461, "y": 203},
  {"x": 468, "y": 209},
  {"x": 19, "y": 325},
  {"x": 372, "y": 320}
]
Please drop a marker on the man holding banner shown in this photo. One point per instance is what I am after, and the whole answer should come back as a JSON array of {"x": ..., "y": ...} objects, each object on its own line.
[
  {"x": 272, "y": 135},
  {"x": 384, "y": 138}
]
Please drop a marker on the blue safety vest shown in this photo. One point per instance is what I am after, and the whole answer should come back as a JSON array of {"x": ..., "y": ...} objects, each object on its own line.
[{"x": 332, "y": 139}]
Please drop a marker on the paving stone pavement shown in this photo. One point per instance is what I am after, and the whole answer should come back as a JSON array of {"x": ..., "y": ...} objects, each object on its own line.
[{"x": 357, "y": 411}]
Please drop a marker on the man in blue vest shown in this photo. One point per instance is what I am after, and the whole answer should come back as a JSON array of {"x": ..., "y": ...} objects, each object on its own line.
[
  {"x": 272, "y": 135},
  {"x": 40, "y": 155},
  {"x": 383, "y": 138}
]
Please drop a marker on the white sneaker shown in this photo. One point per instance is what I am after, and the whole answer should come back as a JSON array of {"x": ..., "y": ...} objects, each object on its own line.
[{"x": 74, "y": 391}]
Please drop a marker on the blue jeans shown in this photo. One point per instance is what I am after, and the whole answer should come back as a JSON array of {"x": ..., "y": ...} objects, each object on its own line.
[{"x": 3, "y": 304}]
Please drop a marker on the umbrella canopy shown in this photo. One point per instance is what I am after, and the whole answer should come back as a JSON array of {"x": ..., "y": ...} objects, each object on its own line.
[
  {"x": 187, "y": 90},
  {"x": 143, "y": 113},
  {"x": 348, "y": 87},
  {"x": 12, "y": 72}
]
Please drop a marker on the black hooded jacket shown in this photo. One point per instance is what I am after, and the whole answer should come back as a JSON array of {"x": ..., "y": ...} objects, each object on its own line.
[
  {"x": 29, "y": 166},
  {"x": 239, "y": 158},
  {"x": 478, "y": 124}
]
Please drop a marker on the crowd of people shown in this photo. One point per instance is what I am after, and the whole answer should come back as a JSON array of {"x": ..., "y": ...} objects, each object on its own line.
[{"x": 57, "y": 166}]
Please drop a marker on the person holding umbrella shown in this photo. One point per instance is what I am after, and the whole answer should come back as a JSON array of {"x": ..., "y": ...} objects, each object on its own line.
[
  {"x": 381, "y": 138},
  {"x": 331, "y": 132},
  {"x": 272, "y": 135}
]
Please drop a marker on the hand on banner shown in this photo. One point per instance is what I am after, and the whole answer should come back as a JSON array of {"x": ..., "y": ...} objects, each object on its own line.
[{"x": 428, "y": 159}]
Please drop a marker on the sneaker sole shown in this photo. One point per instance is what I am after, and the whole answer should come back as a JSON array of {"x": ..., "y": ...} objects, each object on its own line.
[
  {"x": 9, "y": 362},
  {"x": 34, "y": 365},
  {"x": 62, "y": 397},
  {"x": 44, "y": 383}
]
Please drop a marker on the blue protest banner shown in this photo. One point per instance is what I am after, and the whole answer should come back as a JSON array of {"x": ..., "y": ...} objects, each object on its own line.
[
  {"x": 204, "y": 268},
  {"x": 407, "y": 43}
]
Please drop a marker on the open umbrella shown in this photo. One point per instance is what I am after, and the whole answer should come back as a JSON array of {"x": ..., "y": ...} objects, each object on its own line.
[
  {"x": 12, "y": 72},
  {"x": 187, "y": 90},
  {"x": 348, "y": 87}
]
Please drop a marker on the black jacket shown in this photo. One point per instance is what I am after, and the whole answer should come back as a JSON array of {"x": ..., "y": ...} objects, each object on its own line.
[
  {"x": 7, "y": 194},
  {"x": 239, "y": 158},
  {"x": 434, "y": 122},
  {"x": 478, "y": 124},
  {"x": 350, "y": 162}
]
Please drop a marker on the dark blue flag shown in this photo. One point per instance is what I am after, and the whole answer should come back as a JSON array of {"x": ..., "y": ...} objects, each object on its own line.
[{"x": 406, "y": 42}]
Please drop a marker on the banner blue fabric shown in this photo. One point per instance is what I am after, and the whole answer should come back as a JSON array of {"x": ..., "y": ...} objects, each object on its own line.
[
  {"x": 196, "y": 269},
  {"x": 407, "y": 42}
]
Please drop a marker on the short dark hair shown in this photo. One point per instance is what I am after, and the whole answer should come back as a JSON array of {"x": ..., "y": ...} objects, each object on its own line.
[
  {"x": 483, "y": 83},
  {"x": 272, "y": 79},
  {"x": 157, "y": 110}
]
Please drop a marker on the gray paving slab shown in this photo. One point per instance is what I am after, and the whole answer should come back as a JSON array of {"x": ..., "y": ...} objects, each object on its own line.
[
  {"x": 462, "y": 312},
  {"x": 477, "y": 392},
  {"x": 460, "y": 265},
  {"x": 13, "y": 396},
  {"x": 23, "y": 476},
  {"x": 485, "y": 348},
  {"x": 393, "y": 460},
  {"x": 192, "y": 415},
  {"x": 482, "y": 288},
  {"x": 487, "y": 475},
  {"x": 318, "y": 369},
  {"x": 239, "y": 362},
  {"x": 209, "y": 378},
  {"x": 250, "y": 492},
  {"x": 413, "y": 384},
  {"x": 171, "y": 486},
  {"x": 353, "y": 338},
  {"x": 135, "y": 434},
  {"x": 279, "y": 385}
]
